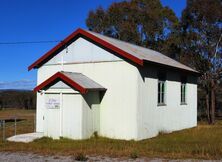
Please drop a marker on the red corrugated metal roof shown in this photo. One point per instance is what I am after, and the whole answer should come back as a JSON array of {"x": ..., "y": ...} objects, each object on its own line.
[{"x": 126, "y": 50}]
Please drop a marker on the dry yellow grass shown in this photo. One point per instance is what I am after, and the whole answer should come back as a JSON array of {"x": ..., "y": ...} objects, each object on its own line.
[
  {"x": 20, "y": 113},
  {"x": 25, "y": 121},
  {"x": 202, "y": 142}
]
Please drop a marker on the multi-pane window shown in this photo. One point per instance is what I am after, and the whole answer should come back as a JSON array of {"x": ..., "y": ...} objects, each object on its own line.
[
  {"x": 161, "y": 89},
  {"x": 183, "y": 91},
  {"x": 161, "y": 92}
]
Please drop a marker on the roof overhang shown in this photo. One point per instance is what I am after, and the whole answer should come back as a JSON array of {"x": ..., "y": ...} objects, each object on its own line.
[
  {"x": 164, "y": 66},
  {"x": 82, "y": 33},
  {"x": 75, "y": 84}
]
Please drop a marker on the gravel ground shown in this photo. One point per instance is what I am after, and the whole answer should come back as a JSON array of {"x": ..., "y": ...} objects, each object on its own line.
[{"x": 23, "y": 157}]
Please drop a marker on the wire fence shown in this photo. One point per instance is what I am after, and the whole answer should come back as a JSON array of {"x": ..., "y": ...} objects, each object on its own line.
[{"x": 14, "y": 126}]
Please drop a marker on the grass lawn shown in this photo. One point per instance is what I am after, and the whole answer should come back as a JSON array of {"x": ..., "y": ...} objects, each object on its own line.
[
  {"x": 202, "y": 142},
  {"x": 25, "y": 121}
]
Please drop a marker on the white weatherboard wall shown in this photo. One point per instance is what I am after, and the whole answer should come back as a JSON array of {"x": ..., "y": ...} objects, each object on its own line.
[
  {"x": 117, "y": 108},
  {"x": 40, "y": 106},
  {"x": 82, "y": 51},
  {"x": 154, "y": 119},
  {"x": 128, "y": 109},
  {"x": 90, "y": 114}
]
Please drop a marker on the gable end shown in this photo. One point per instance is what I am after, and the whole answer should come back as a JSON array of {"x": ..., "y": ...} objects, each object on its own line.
[{"x": 84, "y": 34}]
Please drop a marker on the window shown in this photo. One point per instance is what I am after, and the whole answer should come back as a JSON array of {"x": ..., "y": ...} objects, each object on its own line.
[
  {"x": 161, "y": 90},
  {"x": 183, "y": 91}
]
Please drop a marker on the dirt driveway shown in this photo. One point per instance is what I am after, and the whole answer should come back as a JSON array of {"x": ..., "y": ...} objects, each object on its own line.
[{"x": 23, "y": 157}]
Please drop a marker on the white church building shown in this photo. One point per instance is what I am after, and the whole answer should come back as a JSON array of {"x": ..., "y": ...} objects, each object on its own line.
[{"x": 90, "y": 83}]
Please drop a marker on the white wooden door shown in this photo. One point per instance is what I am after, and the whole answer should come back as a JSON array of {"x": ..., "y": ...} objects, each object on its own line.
[
  {"x": 52, "y": 116},
  {"x": 72, "y": 116}
]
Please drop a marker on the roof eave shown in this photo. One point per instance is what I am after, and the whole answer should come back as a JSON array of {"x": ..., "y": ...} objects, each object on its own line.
[{"x": 192, "y": 71}]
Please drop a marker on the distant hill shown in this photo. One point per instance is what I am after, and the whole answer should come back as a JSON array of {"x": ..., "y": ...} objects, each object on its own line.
[
  {"x": 17, "y": 98},
  {"x": 15, "y": 90}
]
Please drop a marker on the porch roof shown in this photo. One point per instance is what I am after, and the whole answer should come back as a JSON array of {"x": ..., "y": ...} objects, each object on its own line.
[{"x": 77, "y": 81}]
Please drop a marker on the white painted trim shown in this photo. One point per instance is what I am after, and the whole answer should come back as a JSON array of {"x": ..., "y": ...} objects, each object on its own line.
[{"x": 86, "y": 62}]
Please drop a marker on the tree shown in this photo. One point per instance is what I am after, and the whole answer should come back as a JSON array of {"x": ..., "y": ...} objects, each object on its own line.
[
  {"x": 17, "y": 99},
  {"x": 202, "y": 43},
  {"x": 141, "y": 22},
  {"x": 196, "y": 40}
]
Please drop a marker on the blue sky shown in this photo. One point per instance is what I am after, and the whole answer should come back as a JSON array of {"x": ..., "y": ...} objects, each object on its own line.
[{"x": 42, "y": 20}]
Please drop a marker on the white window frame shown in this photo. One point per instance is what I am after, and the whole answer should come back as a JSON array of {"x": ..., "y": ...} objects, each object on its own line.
[
  {"x": 161, "y": 95},
  {"x": 183, "y": 93}
]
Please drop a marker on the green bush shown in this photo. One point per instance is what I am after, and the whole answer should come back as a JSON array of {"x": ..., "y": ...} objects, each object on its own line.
[{"x": 134, "y": 155}]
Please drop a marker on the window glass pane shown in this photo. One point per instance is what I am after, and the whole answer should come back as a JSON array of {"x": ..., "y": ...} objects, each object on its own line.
[
  {"x": 183, "y": 93},
  {"x": 158, "y": 97},
  {"x": 162, "y": 98},
  {"x": 183, "y": 98},
  {"x": 184, "y": 88},
  {"x": 163, "y": 87},
  {"x": 161, "y": 92}
]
